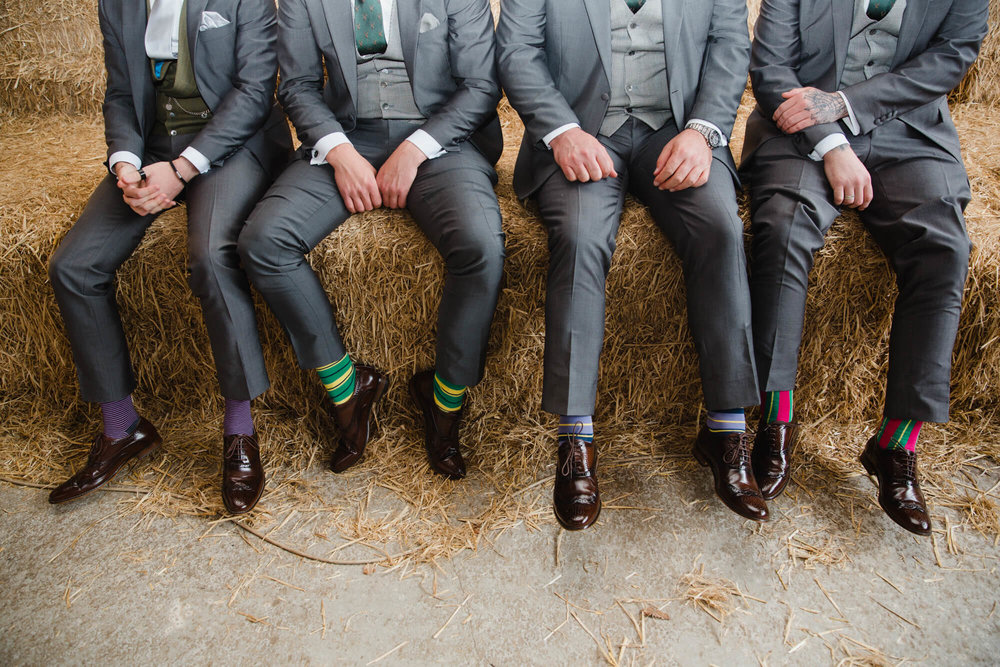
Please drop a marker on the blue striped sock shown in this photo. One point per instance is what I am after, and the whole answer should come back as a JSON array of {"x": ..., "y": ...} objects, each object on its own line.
[
  {"x": 726, "y": 421},
  {"x": 579, "y": 426}
]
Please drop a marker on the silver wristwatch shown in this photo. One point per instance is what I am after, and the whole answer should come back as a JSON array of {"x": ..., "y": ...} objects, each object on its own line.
[{"x": 712, "y": 136}]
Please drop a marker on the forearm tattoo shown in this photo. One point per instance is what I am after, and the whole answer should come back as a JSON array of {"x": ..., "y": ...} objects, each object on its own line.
[{"x": 825, "y": 107}]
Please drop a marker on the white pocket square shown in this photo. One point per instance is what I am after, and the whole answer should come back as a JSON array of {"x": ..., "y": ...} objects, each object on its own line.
[
  {"x": 211, "y": 20},
  {"x": 428, "y": 22}
]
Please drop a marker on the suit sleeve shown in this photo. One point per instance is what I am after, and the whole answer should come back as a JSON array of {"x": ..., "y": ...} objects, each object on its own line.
[
  {"x": 301, "y": 88},
  {"x": 774, "y": 64},
  {"x": 121, "y": 124},
  {"x": 472, "y": 59},
  {"x": 724, "y": 73},
  {"x": 524, "y": 70},
  {"x": 247, "y": 106},
  {"x": 929, "y": 75}
]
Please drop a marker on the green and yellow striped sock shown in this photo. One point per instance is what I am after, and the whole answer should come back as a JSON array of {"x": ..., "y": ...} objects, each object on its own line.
[
  {"x": 447, "y": 396},
  {"x": 338, "y": 380}
]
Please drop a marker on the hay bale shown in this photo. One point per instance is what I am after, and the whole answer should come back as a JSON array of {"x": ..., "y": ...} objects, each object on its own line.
[{"x": 982, "y": 83}]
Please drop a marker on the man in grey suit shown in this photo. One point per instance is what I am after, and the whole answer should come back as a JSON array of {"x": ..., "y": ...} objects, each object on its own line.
[
  {"x": 639, "y": 96},
  {"x": 406, "y": 118},
  {"x": 851, "y": 111},
  {"x": 189, "y": 114}
]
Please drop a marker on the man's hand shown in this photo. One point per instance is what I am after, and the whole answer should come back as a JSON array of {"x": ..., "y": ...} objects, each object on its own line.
[
  {"x": 685, "y": 162},
  {"x": 141, "y": 197},
  {"x": 582, "y": 157},
  {"x": 355, "y": 178},
  {"x": 396, "y": 175},
  {"x": 851, "y": 182},
  {"x": 805, "y": 107}
]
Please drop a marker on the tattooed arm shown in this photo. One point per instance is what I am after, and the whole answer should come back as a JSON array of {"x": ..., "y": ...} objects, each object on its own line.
[{"x": 805, "y": 107}]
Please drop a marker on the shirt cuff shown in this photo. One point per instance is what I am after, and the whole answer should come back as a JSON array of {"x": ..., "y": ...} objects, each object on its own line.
[
  {"x": 725, "y": 139},
  {"x": 327, "y": 144},
  {"x": 427, "y": 144},
  {"x": 827, "y": 144},
  {"x": 851, "y": 121},
  {"x": 194, "y": 156},
  {"x": 123, "y": 156},
  {"x": 547, "y": 139}
]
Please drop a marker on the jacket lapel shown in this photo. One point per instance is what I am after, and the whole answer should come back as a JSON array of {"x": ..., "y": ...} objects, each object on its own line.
[
  {"x": 913, "y": 18},
  {"x": 340, "y": 21},
  {"x": 673, "y": 19},
  {"x": 194, "y": 10},
  {"x": 843, "y": 18},
  {"x": 599, "y": 13},
  {"x": 140, "y": 78},
  {"x": 409, "y": 14}
]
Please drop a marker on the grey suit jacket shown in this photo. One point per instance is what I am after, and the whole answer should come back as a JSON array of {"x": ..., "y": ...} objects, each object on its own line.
[
  {"x": 448, "y": 49},
  {"x": 804, "y": 43},
  {"x": 235, "y": 67},
  {"x": 554, "y": 59}
]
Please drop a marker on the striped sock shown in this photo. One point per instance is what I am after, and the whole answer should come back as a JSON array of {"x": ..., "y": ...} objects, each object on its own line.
[
  {"x": 580, "y": 427},
  {"x": 448, "y": 397},
  {"x": 237, "y": 419},
  {"x": 338, "y": 380},
  {"x": 120, "y": 417},
  {"x": 899, "y": 434},
  {"x": 726, "y": 421},
  {"x": 776, "y": 406}
]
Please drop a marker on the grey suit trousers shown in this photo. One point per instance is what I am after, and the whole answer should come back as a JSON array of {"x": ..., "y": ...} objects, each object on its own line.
[
  {"x": 82, "y": 271},
  {"x": 705, "y": 229},
  {"x": 453, "y": 203},
  {"x": 916, "y": 218}
]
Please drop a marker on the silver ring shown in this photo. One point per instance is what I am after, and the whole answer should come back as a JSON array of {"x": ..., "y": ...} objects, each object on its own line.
[{"x": 848, "y": 197}]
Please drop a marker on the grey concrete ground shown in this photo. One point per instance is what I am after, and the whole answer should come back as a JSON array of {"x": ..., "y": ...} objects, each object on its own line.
[{"x": 99, "y": 582}]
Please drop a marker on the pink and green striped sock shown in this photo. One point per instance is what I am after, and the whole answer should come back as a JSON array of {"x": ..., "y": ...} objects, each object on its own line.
[
  {"x": 899, "y": 434},
  {"x": 776, "y": 406}
]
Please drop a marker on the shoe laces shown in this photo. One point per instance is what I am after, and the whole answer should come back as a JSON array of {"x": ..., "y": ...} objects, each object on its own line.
[
  {"x": 576, "y": 463},
  {"x": 235, "y": 448},
  {"x": 737, "y": 451}
]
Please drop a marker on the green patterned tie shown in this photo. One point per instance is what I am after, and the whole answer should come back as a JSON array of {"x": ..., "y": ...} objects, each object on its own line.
[
  {"x": 877, "y": 9},
  {"x": 635, "y": 5},
  {"x": 369, "y": 31}
]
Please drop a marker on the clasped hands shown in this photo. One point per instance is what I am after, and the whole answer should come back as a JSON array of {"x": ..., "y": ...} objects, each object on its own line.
[
  {"x": 805, "y": 107},
  {"x": 159, "y": 190},
  {"x": 363, "y": 188},
  {"x": 685, "y": 162}
]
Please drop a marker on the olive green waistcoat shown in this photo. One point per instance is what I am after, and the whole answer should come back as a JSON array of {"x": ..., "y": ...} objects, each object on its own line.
[{"x": 179, "y": 106}]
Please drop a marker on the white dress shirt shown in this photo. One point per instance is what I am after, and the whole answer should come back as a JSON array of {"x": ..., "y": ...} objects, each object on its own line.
[
  {"x": 427, "y": 144},
  {"x": 162, "y": 39}
]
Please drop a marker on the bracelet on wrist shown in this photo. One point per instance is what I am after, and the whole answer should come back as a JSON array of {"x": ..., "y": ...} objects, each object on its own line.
[{"x": 177, "y": 173}]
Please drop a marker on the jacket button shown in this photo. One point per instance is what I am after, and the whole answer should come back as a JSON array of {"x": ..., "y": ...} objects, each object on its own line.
[{"x": 605, "y": 97}]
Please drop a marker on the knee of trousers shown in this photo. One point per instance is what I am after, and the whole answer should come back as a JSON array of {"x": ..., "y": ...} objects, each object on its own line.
[
  {"x": 573, "y": 248},
  {"x": 936, "y": 267},
  {"x": 205, "y": 264},
  {"x": 265, "y": 250},
  {"x": 70, "y": 275},
  {"x": 479, "y": 259},
  {"x": 717, "y": 242}
]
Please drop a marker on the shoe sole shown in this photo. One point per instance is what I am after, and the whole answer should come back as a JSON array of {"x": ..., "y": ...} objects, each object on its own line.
[
  {"x": 873, "y": 476},
  {"x": 423, "y": 413},
  {"x": 703, "y": 460},
  {"x": 132, "y": 462}
]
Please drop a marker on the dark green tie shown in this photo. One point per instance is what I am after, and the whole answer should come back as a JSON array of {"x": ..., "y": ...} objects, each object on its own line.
[
  {"x": 877, "y": 9},
  {"x": 635, "y": 5},
  {"x": 369, "y": 32}
]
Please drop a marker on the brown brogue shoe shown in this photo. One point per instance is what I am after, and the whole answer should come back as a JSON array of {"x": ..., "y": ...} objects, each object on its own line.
[
  {"x": 106, "y": 458},
  {"x": 576, "y": 498},
  {"x": 242, "y": 473},
  {"x": 728, "y": 455},
  {"x": 772, "y": 456},
  {"x": 895, "y": 472},
  {"x": 353, "y": 417},
  {"x": 440, "y": 428}
]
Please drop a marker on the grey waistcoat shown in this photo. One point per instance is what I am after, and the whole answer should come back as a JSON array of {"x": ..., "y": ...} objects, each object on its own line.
[
  {"x": 873, "y": 43},
  {"x": 638, "y": 67},
  {"x": 384, "y": 89}
]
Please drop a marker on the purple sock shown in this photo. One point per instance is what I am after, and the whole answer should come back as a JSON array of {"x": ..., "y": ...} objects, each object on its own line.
[
  {"x": 238, "y": 419},
  {"x": 120, "y": 417}
]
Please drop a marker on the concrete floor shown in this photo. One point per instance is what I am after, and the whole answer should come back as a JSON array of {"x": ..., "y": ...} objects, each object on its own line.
[{"x": 101, "y": 582}]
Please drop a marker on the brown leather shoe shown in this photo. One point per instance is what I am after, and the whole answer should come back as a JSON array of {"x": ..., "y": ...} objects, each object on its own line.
[
  {"x": 106, "y": 458},
  {"x": 772, "y": 456},
  {"x": 728, "y": 454},
  {"x": 242, "y": 473},
  {"x": 440, "y": 428},
  {"x": 898, "y": 490},
  {"x": 353, "y": 418},
  {"x": 576, "y": 498}
]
